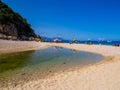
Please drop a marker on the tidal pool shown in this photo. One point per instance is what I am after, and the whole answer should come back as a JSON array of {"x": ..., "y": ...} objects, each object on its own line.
[{"x": 31, "y": 65}]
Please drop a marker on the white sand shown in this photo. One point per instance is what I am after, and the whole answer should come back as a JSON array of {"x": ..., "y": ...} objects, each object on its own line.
[
  {"x": 104, "y": 75},
  {"x": 18, "y": 46}
]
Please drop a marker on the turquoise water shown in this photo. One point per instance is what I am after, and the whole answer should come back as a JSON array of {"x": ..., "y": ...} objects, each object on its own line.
[{"x": 41, "y": 63}]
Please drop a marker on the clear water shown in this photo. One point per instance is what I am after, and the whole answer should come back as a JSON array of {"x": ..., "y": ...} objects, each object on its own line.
[{"x": 31, "y": 65}]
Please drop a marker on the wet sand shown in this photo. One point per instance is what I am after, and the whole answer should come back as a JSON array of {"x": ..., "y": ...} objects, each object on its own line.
[{"x": 104, "y": 75}]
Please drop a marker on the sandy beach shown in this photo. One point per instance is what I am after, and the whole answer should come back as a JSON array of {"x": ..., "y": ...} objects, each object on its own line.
[
  {"x": 104, "y": 75},
  {"x": 18, "y": 46}
]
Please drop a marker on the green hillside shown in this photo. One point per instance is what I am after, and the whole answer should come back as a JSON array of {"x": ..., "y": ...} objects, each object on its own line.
[{"x": 13, "y": 24}]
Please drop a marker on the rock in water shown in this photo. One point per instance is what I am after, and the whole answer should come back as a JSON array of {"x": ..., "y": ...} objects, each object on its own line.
[{"x": 12, "y": 24}]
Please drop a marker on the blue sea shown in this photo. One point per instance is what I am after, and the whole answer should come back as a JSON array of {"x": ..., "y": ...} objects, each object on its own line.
[
  {"x": 111, "y": 43},
  {"x": 105, "y": 42}
]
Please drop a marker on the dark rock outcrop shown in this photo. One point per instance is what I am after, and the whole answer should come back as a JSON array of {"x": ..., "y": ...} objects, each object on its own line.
[
  {"x": 13, "y": 26},
  {"x": 8, "y": 29}
]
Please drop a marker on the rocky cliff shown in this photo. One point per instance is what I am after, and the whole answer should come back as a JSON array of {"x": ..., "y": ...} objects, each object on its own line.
[{"x": 13, "y": 26}]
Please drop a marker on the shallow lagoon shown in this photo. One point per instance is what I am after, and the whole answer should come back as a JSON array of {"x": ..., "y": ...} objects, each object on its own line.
[{"x": 31, "y": 65}]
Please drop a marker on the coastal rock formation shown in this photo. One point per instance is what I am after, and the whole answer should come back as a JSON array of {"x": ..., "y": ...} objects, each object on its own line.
[
  {"x": 13, "y": 26},
  {"x": 8, "y": 29}
]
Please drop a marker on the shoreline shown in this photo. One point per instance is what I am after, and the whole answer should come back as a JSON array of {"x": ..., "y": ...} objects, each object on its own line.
[
  {"x": 102, "y": 75},
  {"x": 8, "y": 46}
]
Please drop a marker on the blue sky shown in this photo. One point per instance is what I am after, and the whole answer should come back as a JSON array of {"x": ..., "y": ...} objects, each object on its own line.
[{"x": 81, "y": 19}]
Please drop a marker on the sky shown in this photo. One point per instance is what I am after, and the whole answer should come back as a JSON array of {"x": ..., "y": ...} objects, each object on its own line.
[{"x": 69, "y": 19}]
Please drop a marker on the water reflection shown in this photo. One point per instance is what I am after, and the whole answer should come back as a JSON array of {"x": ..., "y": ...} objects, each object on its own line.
[
  {"x": 73, "y": 50},
  {"x": 57, "y": 47}
]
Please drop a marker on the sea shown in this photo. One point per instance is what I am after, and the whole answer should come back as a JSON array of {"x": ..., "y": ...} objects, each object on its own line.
[
  {"x": 110, "y": 43},
  {"x": 97, "y": 42}
]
